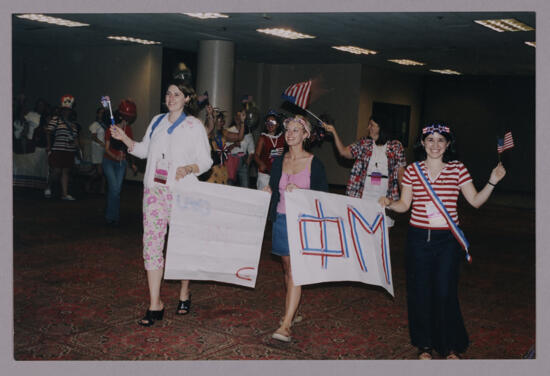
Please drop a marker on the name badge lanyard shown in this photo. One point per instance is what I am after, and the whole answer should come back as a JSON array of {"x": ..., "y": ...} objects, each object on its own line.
[
  {"x": 456, "y": 231},
  {"x": 170, "y": 129}
]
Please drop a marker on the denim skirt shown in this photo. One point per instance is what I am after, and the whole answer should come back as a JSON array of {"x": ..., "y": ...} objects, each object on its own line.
[{"x": 279, "y": 236}]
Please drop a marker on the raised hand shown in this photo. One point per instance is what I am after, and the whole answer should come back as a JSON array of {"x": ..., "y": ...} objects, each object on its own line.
[
  {"x": 329, "y": 128},
  {"x": 116, "y": 132},
  {"x": 497, "y": 174}
]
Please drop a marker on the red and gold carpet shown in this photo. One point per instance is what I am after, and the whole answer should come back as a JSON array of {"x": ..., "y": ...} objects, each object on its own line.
[{"x": 80, "y": 287}]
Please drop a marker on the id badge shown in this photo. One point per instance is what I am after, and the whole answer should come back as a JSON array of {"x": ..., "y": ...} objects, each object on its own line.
[
  {"x": 434, "y": 216},
  {"x": 375, "y": 178},
  {"x": 161, "y": 171}
]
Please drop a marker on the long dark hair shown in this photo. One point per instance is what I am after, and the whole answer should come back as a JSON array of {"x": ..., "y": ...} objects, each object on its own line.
[
  {"x": 383, "y": 134},
  {"x": 191, "y": 107},
  {"x": 450, "y": 153}
]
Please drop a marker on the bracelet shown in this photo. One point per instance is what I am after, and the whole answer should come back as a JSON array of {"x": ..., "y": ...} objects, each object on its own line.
[{"x": 494, "y": 185}]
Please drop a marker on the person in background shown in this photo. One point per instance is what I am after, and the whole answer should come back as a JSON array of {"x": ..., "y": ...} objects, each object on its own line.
[
  {"x": 220, "y": 140},
  {"x": 270, "y": 145},
  {"x": 18, "y": 109},
  {"x": 34, "y": 119},
  {"x": 379, "y": 163},
  {"x": 433, "y": 252},
  {"x": 97, "y": 130},
  {"x": 242, "y": 152},
  {"x": 296, "y": 168},
  {"x": 175, "y": 145},
  {"x": 38, "y": 120},
  {"x": 62, "y": 145},
  {"x": 115, "y": 160}
]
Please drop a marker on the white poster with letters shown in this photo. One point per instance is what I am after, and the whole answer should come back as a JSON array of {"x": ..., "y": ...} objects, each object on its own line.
[
  {"x": 216, "y": 232},
  {"x": 337, "y": 238}
]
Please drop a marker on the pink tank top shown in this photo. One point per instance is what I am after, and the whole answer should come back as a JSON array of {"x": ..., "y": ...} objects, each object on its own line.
[{"x": 301, "y": 180}]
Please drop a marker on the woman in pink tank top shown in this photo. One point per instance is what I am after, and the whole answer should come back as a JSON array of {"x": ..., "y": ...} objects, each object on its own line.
[{"x": 295, "y": 169}]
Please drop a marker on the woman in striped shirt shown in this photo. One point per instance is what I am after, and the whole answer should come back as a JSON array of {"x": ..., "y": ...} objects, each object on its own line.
[
  {"x": 62, "y": 145},
  {"x": 433, "y": 254}
]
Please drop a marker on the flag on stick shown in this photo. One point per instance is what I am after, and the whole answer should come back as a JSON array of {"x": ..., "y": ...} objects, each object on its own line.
[
  {"x": 505, "y": 143},
  {"x": 298, "y": 94},
  {"x": 106, "y": 102}
]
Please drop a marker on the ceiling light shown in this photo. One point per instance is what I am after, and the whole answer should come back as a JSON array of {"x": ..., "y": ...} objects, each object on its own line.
[
  {"x": 52, "y": 20},
  {"x": 130, "y": 39},
  {"x": 406, "y": 62},
  {"x": 445, "y": 71},
  {"x": 204, "y": 16},
  {"x": 355, "y": 50},
  {"x": 532, "y": 44},
  {"x": 285, "y": 33},
  {"x": 508, "y": 24}
]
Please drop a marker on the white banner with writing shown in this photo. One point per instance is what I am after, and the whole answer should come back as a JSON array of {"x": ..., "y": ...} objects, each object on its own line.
[
  {"x": 216, "y": 232},
  {"x": 337, "y": 238}
]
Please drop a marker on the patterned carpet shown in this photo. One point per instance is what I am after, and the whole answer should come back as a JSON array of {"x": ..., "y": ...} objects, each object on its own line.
[{"x": 80, "y": 287}]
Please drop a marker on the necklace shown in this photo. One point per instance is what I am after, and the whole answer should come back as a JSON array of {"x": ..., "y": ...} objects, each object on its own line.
[{"x": 271, "y": 137}]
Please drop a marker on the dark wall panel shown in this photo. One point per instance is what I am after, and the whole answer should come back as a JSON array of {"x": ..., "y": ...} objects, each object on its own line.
[{"x": 481, "y": 108}]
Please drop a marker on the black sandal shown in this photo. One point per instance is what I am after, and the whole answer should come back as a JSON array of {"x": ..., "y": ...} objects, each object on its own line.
[
  {"x": 150, "y": 317},
  {"x": 184, "y": 305}
]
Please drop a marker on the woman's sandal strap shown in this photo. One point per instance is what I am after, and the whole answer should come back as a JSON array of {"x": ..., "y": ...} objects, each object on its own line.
[{"x": 184, "y": 305}]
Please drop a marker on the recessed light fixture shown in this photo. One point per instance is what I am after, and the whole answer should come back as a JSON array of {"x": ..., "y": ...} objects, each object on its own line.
[
  {"x": 532, "y": 44},
  {"x": 131, "y": 39},
  {"x": 51, "y": 20},
  {"x": 204, "y": 16},
  {"x": 355, "y": 50},
  {"x": 285, "y": 33},
  {"x": 507, "y": 24},
  {"x": 445, "y": 71},
  {"x": 406, "y": 62}
]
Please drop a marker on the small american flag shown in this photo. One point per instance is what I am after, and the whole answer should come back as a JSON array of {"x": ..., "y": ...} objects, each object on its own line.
[
  {"x": 298, "y": 94},
  {"x": 505, "y": 143},
  {"x": 105, "y": 101}
]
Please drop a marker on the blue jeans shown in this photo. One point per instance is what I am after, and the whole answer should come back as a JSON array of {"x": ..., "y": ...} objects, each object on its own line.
[{"x": 114, "y": 173}]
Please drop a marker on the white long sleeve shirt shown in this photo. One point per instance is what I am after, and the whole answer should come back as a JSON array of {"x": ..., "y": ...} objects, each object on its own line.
[{"x": 188, "y": 144}]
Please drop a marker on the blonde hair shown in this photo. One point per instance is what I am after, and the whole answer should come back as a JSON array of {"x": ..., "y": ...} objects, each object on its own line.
[{"x": 302, "y": 120}]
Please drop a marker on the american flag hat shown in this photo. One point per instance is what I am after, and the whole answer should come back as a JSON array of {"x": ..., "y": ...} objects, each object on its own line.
[{"x": 436, "y": 127}]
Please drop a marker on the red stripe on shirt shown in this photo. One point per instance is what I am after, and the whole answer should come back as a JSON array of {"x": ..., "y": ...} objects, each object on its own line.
[{"x": 446, "y": 185}]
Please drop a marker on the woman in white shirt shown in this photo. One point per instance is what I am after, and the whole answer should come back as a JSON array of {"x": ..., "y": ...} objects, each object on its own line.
[{"x": 175, "y": 145}]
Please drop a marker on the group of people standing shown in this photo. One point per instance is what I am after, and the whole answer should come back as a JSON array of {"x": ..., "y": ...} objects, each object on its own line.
[
  {"x": 177, "y": 144},
  {"x": 59, "y": 135}
]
